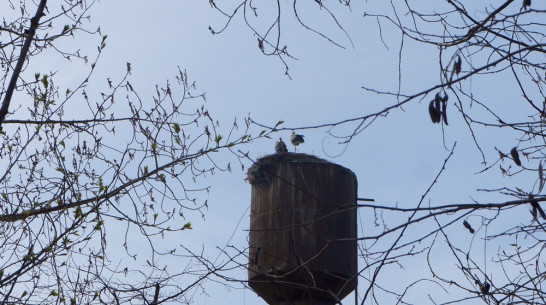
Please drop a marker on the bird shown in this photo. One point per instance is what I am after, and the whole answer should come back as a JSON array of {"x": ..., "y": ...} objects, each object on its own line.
[
  {"x": 296, "y": 139},
  {"x": 280, "y": 147}
]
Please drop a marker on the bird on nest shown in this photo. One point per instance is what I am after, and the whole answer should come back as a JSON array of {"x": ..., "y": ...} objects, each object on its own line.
[
  {"x": 280, "y": 147},
  {"x": 296, "y": 139}
]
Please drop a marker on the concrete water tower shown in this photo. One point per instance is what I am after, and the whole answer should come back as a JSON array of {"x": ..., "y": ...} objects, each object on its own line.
[{"x": 302, "y": 243}]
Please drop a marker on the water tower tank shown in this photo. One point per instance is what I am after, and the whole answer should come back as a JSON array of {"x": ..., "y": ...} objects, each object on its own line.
[{"x": 302, "y": 243}]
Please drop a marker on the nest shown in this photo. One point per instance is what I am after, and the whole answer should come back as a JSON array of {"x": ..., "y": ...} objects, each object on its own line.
[{"x": 256, "y": 173}]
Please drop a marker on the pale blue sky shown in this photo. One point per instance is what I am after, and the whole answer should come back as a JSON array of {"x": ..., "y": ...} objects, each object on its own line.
[{"x": 395, "y": 159}]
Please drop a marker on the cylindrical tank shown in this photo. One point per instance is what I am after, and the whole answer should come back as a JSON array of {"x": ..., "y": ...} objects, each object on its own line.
[{"x": 302, "y": 243}]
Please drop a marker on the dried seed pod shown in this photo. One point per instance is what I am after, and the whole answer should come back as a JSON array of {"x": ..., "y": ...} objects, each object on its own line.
[
  {"x": 540, "y": 177},
  {"x": 437, "y": 100},
  {"x": 485, "y": 288},
  {"x": 468, "y": 226},
  {"x": 515, "y": 156},
  {"x": 534, "y": 212},
  {"x": 457, "y": 65},
  {"x": 434, "y": 113},
  {"x": 536, "y": 207},
  {"x": 444, "y": 106}
]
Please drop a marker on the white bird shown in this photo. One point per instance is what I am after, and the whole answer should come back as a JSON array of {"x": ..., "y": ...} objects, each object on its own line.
[
  {"x": 296, "y": 139},
  {"x": 280, "y": 147}
]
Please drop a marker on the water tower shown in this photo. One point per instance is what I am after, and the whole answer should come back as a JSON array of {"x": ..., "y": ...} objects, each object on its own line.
[{"x": 302, "y": 243}]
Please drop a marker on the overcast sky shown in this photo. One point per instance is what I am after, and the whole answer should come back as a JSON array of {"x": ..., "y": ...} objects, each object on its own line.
[{"x": 395, "y": 159}]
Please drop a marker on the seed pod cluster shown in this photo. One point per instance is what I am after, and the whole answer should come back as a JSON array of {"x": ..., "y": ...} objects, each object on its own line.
[{"x": 437, "y": 109}]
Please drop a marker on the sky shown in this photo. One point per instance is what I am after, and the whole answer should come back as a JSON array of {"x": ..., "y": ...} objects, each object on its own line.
[{"x": 395, "y": 159}]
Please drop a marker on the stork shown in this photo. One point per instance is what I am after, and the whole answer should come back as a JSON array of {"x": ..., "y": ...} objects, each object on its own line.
[
  {"x": 296, "y": 139},
  {"x": 280, "y": 147}
]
